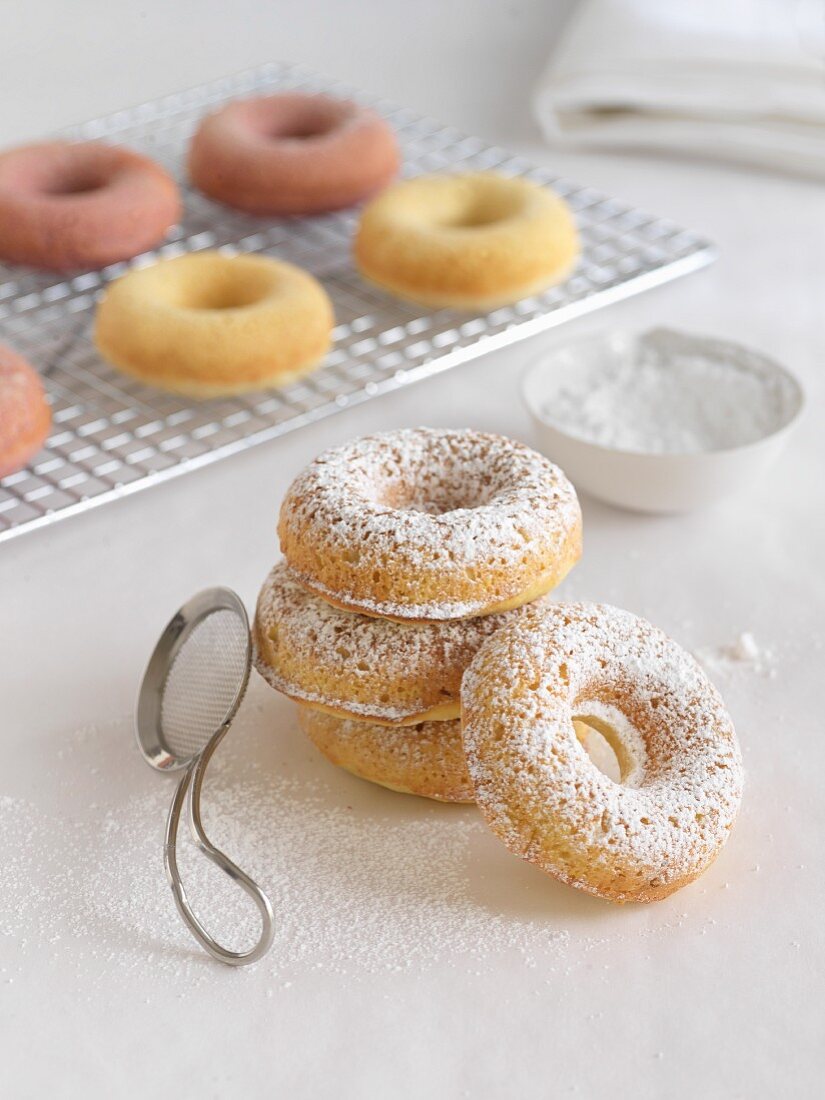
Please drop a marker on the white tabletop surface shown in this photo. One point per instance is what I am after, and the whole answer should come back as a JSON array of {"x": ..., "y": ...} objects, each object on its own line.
[{"x": 414, "y": 957}]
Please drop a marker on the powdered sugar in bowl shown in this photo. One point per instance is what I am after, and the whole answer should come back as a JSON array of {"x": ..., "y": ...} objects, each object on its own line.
[{"x": 661, "y": 421}]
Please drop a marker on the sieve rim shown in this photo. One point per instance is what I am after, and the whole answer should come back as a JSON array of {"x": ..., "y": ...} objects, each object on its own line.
[{"x": 148, "y": 726}]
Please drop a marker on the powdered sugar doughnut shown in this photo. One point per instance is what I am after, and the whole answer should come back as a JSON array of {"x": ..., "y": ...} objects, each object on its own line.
[
  {"x": 356, "y": 666},
  {"x": 431, "y": 524},
  {"x": 73, "y": 205},
  {"x": 292, "y": 154},
  {"x": 427, "y": 759},
  {"x": 637, "y": 840},
  {"x": 25, "y": 416}
]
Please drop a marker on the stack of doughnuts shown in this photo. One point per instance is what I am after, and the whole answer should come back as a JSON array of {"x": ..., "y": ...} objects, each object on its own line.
[
  {"x": 411, "y": 622},
  {"x": 404, "y": 552}
]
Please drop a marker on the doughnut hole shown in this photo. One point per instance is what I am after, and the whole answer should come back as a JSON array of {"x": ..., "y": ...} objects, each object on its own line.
[
  {"x": 483, "y": 211},
  {"x": 301, "y": 127},
  {"x": 295, "y": 118},
  {"x": 599, "y": 749},
  {"x": 80, "y": 181},
  {"x": 612, "y": 745},
  {"x": 434, "y": 483},
  {"x": 410, "y": 496},
  {"x": 65, "y": 172},
  {"x": 231, "y": 285},
  {"x": 467, "y": 208}
]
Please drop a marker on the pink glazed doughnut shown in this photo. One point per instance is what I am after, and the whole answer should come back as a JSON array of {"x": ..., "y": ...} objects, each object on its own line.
[
  {"x": 68, "y": 206},
  {"x": 25, "y": 416},
  {"x": 292, "y": 154}
]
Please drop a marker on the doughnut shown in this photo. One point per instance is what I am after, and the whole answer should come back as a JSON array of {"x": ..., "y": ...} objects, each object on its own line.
[
  {"x": 356, "y": 666},
  {"x": 473, "y": 241},
  {"x": 67, "y": 206},
  {"x": 292, "y": 154},
  {"x": 25, "y": 416},
  {"x": 207, "y": 324},
  {"x": 427, "y": 759},
  {"x": 430, "y": 524},
  {"x": 681, "y": 770}
]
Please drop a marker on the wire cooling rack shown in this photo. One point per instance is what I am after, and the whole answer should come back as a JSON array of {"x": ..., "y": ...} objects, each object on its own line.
[{"x": 113, "y": 435}]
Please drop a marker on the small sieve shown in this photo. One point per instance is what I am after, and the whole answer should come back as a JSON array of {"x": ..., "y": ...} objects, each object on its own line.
[{"x": 191, "y": 691}]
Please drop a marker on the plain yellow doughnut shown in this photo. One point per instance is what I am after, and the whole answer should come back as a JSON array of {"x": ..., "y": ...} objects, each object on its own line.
[
  {"x": 207, "y": 324},
  {"x": 472, "y": 241}
]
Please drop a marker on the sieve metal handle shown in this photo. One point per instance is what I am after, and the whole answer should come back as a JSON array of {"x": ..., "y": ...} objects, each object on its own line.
[{"x": 194, "y": 775}]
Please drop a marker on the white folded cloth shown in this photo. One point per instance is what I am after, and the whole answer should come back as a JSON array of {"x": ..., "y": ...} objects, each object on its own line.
[{"x": 737, "y": 79}]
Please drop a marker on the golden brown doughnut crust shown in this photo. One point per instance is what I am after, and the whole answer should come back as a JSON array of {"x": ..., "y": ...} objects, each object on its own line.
[
  {"x": 207, "y": 324},
  {"x": 638, "y": 840},
  {"x": 473, "y": 241},
  {"x": 427, "y": 760},
  {"x": 429, "y": 524},
  {"x": 357, "y": 666}
]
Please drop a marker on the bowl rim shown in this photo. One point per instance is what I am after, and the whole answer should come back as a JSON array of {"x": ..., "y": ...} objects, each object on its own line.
[{"x": 605, "y": 336}]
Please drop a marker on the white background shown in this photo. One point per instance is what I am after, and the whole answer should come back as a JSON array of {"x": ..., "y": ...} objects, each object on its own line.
[{"x": 486, "y": 980}]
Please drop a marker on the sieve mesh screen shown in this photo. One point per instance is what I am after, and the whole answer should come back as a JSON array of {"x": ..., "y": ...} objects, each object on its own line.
[{"x": 201, "y": 688}]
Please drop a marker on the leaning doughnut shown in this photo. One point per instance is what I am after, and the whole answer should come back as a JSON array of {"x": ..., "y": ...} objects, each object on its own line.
[
  {"x": 426, "y": 759},
  {"x": 681, "y": 783},
  {"x": 292, "y": 154},
  {"x": 207, "y": 324},
  {"x": 66, "y": 206},
  {"x": 431, "y": 524},
  {"x": 357, "y": 666},
  {"x": 25, "y": 416},
  {"x": 466, "y": 242}
]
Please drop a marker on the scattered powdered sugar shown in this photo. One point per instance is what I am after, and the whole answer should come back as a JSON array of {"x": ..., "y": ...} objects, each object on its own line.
[
  {"x": 670, "y": 393},
  {"x": 362, "y": 880},
  {"x": 355, "y": 888},
  {"x": 743, "y": 652}
]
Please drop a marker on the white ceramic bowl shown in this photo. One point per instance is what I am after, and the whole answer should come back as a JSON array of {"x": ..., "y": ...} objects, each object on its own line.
[{"x": 656, "y": 482}]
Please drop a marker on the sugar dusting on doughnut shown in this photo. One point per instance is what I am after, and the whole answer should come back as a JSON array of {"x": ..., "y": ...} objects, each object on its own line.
[
  {"x": 431, "y": 524},
  {"x": 366, "y": 667},
  {"x": 542, "y": 795},
  {"x": 426, "y": 759}
]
